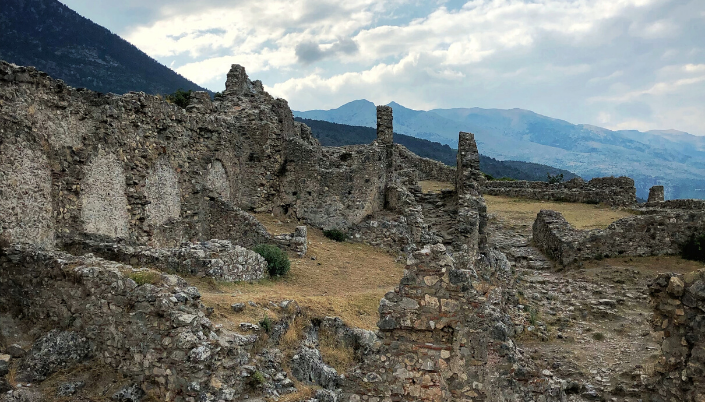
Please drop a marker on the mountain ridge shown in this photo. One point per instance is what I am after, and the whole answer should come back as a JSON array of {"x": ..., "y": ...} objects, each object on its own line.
[{"x": 53, "y": 38}]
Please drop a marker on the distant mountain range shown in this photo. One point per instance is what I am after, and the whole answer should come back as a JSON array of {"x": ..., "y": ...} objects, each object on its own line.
[
  {"x": 670, "y": 158},
  {"x": 335, "y": 135},
  {"x": 55, "y": 39}
]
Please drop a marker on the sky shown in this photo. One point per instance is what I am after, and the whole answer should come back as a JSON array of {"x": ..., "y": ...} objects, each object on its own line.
[{"x": 619, "y": 64}]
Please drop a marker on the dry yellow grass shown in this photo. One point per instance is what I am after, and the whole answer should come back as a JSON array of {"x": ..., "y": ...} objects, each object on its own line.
[
  {"x": 345, "y": 280},
  {"x": 431, "y": 186},
  {"x": 581, "y": 216}
]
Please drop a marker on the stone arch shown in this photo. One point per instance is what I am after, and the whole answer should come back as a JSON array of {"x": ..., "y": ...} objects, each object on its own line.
[
  {"x": 163, "y": 194},
  {"x": 217, "y": 180},
  {"x": 103, "y": 199},
  {"x": 25, "y": 195}
]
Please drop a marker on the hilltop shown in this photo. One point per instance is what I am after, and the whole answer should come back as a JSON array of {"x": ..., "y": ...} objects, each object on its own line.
[{"x": 55, "y": 39}]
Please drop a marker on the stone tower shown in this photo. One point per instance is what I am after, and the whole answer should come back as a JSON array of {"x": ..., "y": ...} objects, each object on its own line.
[{"x": 656, "y": 194}]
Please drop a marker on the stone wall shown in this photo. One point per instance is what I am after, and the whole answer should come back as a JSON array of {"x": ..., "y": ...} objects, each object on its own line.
[
  {"x": 427, "y": 169},
  {"x": 656, "y": 194},
  {"x": 653, "y": 232},
  {"x": 688, "y": 204},
  {"x": 613, "y": 191},
  {"x": 679, "y": 324},
  {"x": 148, "y": 172},
  {"x": 217, "y": 259}
]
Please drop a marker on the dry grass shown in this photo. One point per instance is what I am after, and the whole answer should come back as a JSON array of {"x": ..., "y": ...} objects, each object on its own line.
[
  {"x": 581, "y": 216},
  {"x": 431, "y": 186},
  {"x": 345, "y": 280},
  {"x": 303, "y": 393},
  {"x": 646, "y": 265},
  {"x": 333, "y": 352}
]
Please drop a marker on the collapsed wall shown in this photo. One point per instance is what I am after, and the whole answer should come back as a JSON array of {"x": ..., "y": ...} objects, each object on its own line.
[
  {"x": 613, "y": 191},
  {"x": 679, "y": 323},
  {"x": 155, "y": 333},
  {"x": 652, "y": 232}
]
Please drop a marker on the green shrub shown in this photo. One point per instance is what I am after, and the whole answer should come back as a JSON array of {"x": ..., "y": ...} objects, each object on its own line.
[
  {"x": 180, "y": 98},
  {"x": 598, "y": 336},
  {"x": 488, "y": 176},
  {"x": 266, "y": 324},
  {"x": 335, "y": 234},
  {"x": 694, "y": 248},
  {"x": 277, "y": 261},
  {"x": 554, "y": 179}
]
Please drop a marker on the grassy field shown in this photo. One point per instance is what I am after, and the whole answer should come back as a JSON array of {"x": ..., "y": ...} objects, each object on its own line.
[
  {"x": 345, "y": 279},
  {"x": 581, "y": 216}
]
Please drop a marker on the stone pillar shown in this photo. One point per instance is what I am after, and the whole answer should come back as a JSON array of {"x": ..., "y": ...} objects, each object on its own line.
[
  {"x": 237, "y": 81},
  {"x": 385, "y": 129},
  {"x": 472, "y": 211},
  {"x": 656, "y": 194}
]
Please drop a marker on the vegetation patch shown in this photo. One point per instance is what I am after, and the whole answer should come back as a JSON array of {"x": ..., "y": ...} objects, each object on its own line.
[
  {"x": 694, "y": 248},
  {"x": 144, "y": 277},
  {"x": 335, "y": 234},
  {"x": 180, "y": 98},
  {"x": 278, "y": 263}
]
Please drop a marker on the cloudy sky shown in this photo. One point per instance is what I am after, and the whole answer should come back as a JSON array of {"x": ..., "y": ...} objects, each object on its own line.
[{"x": 621, "y": 64}]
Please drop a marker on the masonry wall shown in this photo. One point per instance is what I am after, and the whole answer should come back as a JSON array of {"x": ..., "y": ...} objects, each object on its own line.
[
  {"x": 654, "y": 232},
  {"x": 679, "y": 324},
  {"x": 427, "y": 169},
  {"x": 613, "y": 191},
  {"x": 78, "y": 163}
]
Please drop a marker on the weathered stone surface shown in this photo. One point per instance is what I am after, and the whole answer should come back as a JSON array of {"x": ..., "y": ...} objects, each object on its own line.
[
  {"x": 653, "y": 232},
  {"x": 385, "y": 130},
  {"x": 218, "y": 259},
  {"x": 55, "y": 351},
  {"x": 679, "y": 322},
  {"x": 656, "y": 194},
  {"x": 613, "y": 191}
]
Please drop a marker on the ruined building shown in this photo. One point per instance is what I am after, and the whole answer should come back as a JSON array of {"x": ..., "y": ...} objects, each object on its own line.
[{"x": 96, "y": 186}]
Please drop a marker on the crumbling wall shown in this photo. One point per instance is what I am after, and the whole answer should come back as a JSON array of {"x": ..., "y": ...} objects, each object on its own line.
[
  {"x": 443, "y": 340},
  {"x": 653, "y": 232},
  {"x": 679, "y": 324},
  {"x": 25, "y": 194},
  {"x": 656, "y": 194},
  {"x": 613, "y": 191},
  {"x": 217, "y": 259},
  {"x": 427, "y": 169},
  {"x": 155, "y": 333}
]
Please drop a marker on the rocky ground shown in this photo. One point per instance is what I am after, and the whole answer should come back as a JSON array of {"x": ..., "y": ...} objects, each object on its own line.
[{"x": 587, "y": 325}]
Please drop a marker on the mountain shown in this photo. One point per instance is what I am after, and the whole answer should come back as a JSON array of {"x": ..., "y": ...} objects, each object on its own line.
[
  {"x": 670, "y": 158},
  {"x": 53, "y": 38},
  {"x": 334, "y": 135}
]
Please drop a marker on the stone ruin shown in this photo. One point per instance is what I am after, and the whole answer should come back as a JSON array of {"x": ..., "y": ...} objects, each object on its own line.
[
  {"x": 612, "y": 191},
  {"x": 108, "y": 197}
]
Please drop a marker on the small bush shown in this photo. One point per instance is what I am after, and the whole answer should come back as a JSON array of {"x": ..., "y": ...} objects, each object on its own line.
[
  {"x": 335, "y": 234},
  {"x": 258, "y": 378},
  {"x": 598, "y": 336},
  {"x": 266, "y": 324},
  {"x": 533, "y": 315},
  {"x": 277, "y": 261},
  {"x": 554, "y": 179},
  {"x": 694, "y": 248},
  {"x": 180, "y": 98}
]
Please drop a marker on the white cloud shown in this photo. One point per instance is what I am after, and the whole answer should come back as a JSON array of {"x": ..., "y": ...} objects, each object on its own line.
[{"x": 579, "y": 60}]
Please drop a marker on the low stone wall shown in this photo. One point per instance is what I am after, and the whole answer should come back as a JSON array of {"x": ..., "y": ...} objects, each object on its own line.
[
  {"x": 653, "y": 232},
  {"x": 613, "y": 191},
  {"x": 427, "y": 169},
  {"x": 689, "y": 204},
  {"x": 218, "y": 259},
  {"x": 155, "y": 333},
  {"x": 678, "y": 321}
]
